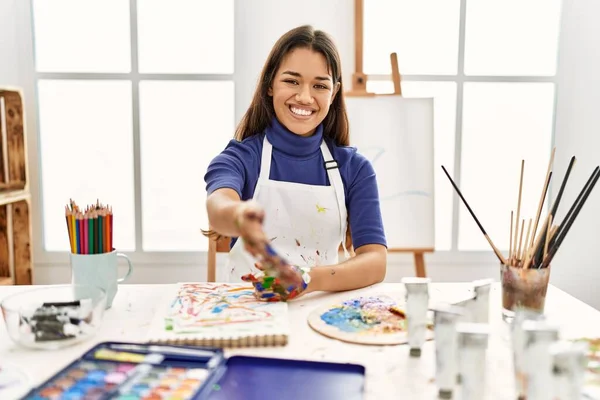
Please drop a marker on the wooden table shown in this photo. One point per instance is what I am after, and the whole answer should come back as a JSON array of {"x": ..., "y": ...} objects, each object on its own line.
[{"x": 391, "y": 373}]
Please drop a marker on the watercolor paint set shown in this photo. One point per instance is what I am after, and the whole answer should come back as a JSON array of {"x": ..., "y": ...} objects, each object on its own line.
[{"x": 132, "y": 371}]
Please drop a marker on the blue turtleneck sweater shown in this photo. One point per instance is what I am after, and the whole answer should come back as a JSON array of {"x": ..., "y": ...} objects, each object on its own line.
[{"x": 298, "y": 159}]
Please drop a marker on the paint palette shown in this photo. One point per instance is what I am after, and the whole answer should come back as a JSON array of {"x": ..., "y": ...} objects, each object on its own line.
[
  {"x": 91, "y": 380},
  {"x": 134, "y": 371}
]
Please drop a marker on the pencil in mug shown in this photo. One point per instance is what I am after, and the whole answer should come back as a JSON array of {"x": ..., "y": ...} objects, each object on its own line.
[{"x": 90, "y": 231}]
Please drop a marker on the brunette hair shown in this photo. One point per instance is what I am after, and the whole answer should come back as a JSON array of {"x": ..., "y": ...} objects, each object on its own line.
[{"x": 260, "y": 113}]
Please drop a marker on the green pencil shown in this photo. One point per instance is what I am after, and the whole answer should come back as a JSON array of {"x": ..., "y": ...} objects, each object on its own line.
[
  {"x": 91, "y": 235},
  {"x": 97, "y": 233}
]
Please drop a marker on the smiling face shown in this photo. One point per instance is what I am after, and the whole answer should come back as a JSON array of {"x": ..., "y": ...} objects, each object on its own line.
[{"x": 302, "y": 91}]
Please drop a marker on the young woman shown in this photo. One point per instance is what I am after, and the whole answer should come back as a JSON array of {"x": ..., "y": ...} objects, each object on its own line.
[{"x": 290, "y": 178}]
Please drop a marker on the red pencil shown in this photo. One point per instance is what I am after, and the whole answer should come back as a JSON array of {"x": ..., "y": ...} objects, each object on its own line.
[
  {"x": 110, "y": 229},
  {"x": 105, "y": 231}
]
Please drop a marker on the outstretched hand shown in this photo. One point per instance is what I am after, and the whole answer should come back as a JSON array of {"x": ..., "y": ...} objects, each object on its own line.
[
  {"x": 286, "y": 285},
  {"x": 249, "y": 218},
  {"x": 270, "y": 288},
  {"x": 279, "y": 281}
]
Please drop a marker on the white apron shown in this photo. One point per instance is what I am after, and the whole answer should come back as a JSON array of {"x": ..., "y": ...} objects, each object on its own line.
[{"x": 305, "y": 223}]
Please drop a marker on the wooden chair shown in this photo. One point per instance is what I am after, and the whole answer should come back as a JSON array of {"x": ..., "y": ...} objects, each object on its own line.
[{"x": 215, "y": 246}]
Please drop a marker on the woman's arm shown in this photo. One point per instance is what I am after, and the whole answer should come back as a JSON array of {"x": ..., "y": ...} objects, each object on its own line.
[
  {"x": 366, "y": 268},
  {"x": 222, "y": 208},
  {"x": 229, "y": 216}
]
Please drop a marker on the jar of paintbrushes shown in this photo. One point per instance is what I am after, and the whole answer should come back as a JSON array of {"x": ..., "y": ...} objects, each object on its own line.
[{"x": 525, "y": 273}]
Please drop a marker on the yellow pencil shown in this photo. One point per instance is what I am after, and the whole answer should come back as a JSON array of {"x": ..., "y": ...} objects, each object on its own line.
[{"x": 74, "y": 234}]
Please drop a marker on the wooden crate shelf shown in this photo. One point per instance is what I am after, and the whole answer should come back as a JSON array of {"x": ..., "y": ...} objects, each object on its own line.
[
  {"x": 6, "y": 281},
  {"x": 13, "y": 169},
  {"x": 13, "y": 196},
  {"x": 16, "y": 264},
  {"x": 15, "y": 243}
]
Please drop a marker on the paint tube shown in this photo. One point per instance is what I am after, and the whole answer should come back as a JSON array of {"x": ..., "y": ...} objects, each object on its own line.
[
  {"x": 569, "y": 362},
  {"x": 417, "y": 303},
  {"x": 481, "y": 300},
  {"x": 472, "y": 347},
  {"x": 477, "y": 305},
  {"x": 537, "y": 360},
  {"x": 518, "y": 344},
  {"x": 445, "y": 319}
]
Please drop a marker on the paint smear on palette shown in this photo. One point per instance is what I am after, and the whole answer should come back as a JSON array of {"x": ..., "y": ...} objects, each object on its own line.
[{"x": 365, "y": 315}]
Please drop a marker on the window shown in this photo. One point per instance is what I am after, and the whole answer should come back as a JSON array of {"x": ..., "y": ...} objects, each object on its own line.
[
  {"x": 490, "y": 66},
  {"x": 131, "y": 112}
]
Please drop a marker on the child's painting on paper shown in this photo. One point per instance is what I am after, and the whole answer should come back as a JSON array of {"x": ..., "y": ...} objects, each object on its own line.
[
  {"x": 199, "y": 307},
  {"x": 216, "y": 312}
]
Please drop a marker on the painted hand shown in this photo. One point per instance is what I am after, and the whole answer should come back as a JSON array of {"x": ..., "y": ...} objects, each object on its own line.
[
  {"x": 249, "y": 218},
  {"x": 277, "y": 288},
  {"x": 274, "y": 265}
]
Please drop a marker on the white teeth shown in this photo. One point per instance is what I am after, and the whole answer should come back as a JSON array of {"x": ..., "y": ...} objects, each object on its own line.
[{"x": 300, "y": 111}]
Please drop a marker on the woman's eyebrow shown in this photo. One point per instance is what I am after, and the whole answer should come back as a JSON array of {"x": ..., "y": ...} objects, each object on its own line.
[{"x": 298, "y": 75}]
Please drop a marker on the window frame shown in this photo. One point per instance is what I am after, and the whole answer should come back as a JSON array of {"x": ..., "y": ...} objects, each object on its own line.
[
  {"x": 138, "y": 256},
  {"x": 460, "y": 78},
  {"x": 197, "y": 259}
]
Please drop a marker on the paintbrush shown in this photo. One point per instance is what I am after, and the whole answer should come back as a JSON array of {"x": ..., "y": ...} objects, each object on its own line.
[
  {"x": 544, "y": 193},
  {"x": 572, "y": 214},
  {"x": 581, "y": 195},
  {"x": 515, "y": 249},
  {"x": 496, "y": 251},
  {"x": 275, "y": 265},
  {"x": 538, "y": 251}
]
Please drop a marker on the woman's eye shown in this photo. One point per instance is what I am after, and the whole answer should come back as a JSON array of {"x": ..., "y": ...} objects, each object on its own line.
[
  {"x": 321, "y": 87},
  {"x": 291, "y": 81}
]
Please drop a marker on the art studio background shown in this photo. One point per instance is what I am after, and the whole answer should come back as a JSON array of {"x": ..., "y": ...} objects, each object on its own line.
[{"x": 510, "y": 80}]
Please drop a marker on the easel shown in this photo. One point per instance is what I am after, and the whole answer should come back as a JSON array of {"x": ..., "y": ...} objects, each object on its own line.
[{"x": 359, "y": 88}]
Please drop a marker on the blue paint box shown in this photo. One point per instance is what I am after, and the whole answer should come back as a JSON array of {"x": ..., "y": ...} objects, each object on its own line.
[{"x": 129, "y": 371}]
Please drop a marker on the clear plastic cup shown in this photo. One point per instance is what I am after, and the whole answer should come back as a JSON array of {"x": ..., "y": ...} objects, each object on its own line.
[{"x": 524, "y": 288}]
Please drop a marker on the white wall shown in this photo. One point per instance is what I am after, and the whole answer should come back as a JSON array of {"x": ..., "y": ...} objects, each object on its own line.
[
  {"x": 577, "y": 264},
  {"x": 9, "y": 56}
]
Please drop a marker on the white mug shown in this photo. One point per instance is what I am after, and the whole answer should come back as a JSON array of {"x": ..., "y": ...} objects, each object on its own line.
[{"x": 99, "y": 270}]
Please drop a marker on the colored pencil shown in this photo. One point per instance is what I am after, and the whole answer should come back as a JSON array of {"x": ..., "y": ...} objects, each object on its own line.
[
  {"x": 86, "y": 249},
  {"x": 100, "y": 232},
  {"x": 90, "y": 231},
  {"x": 106, "y": 232},
  {"x": 77, "y": 236},
  {"x": 74, "y": 232},
  {"x": 110, "y": 219}
]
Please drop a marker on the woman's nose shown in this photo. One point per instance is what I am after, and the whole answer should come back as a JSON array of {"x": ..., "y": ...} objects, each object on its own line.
[{"x": 304, "y": 96}]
